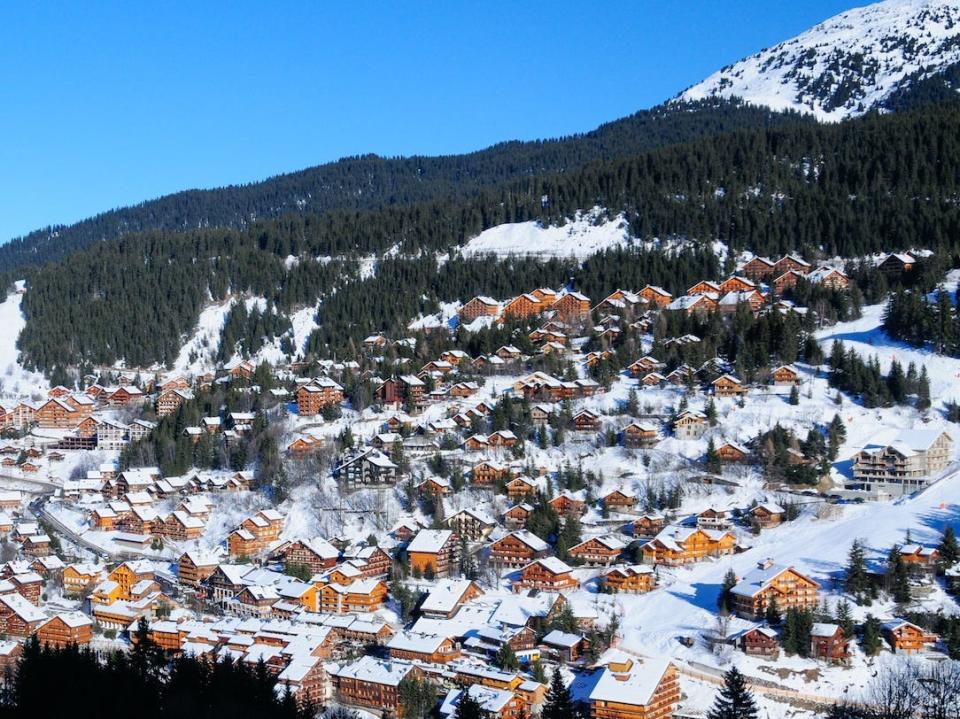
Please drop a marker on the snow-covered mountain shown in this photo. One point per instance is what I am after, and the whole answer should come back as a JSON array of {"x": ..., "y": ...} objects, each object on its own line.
[{"x": 847, "y": 65}]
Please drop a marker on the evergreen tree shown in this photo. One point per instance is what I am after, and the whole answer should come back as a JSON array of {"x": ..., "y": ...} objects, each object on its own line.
[
  {"x": 711, "y": 412},
  {"x": 794, "y": 395},
  {"x": 712, "y": 459},
  {"x": 724, "y": 598},
  {"x": 844, "y": 618},
  {"x": 558, "y": 703},
  {"x": 923, "y": 390},
  {"x": 872, "y": 637},
  {"x": 773, "y": 612},
  {"x": 898, "y": 576},
  {"x": 506, "y": 659},
  {"x": 949, "y": 551},
  {"x": 467, "y": 706},
  {"x": 857, "y": 581},
  {"x": 734, "y": 701}
]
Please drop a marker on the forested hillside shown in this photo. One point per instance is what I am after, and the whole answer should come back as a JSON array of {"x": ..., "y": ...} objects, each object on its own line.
[
  {"x": 372, "y": 182},
  {"x": 875, "y": 184}
]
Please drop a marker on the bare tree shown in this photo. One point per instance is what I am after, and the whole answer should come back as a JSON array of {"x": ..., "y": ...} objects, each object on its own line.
[
  {"x": 938, "y": 690},
  {"x": 892, "y": 693}
]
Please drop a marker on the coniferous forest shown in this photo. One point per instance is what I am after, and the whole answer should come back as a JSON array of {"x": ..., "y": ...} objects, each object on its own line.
[
  {"x": 869, "y": 185},
  {"x": 371, "y": 182},
  {"x": 88, "y": 686}
]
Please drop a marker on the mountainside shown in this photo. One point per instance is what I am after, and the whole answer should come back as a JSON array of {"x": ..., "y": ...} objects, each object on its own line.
[
  {"x": 875, "y": 184},
  {"x": 847, "y": 65},
  {"x": 373, "y": 182}
]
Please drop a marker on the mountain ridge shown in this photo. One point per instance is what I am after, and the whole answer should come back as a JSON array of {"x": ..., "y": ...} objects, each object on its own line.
[
  {"x": 846, "y": 65},
  {"x": 371, "y": 182}
]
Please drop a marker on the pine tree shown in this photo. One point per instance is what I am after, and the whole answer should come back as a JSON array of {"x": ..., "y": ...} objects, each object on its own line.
[
  {"x": 900, "y": 580},
  {"x": 734, "y": 701},
  {"x": 558, "y": 704},
  {"x": 948, "y": 549},
  {"x": 505, "y": 658},
  {"x": 794, "y": 395},
  {"x": 773, "y": 612},
  {"x": 467, "y": 706},
  {"x": 711, "y": 412},
  {"x": 923, "y": 390},
  {"x": 857, "y": 582},
  {"x": 712, "y": 459},
  {"x": 844, "y": 618},
  {"x": 872, "y": 639},
  {"x": 724, "y": 598}
]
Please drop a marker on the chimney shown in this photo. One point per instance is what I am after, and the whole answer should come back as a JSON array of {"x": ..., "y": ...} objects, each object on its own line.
[{"x": 765, "y": 563}]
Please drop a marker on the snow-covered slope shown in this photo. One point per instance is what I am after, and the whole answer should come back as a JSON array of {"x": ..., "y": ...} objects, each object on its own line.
[
  {"x": 14, "y": 379},
  {"x": 584, "y": 235},
  {"x": 847, "y": 65}
]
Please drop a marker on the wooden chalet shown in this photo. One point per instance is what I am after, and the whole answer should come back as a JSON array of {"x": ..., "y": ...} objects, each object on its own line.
[
  {"x": 907, "y": 638},
  {"x": 640, "y": 435},
  {"x": 896, "y": 263},
  {"x": 729, "y": 386},
  {"x": 733, "y": 452},
  {"x": 566, "y": 504},
  {"x": 486, "y": 473},
  {"x": 479, "y": 306},
  {"x": 195, "y": 567},
  {"x": 785, "y": 376},
  {"x": 687, "y": 545},
  {"x": 627, "y": 687},
  {"x": 767, "y": 515},
  {"x": 758, "y": 641},
  {"x": 517, "y": 515},
  {"x": 791, "y": 262},
  {"x": 572, "y": 308},
  {"x": 586, "y": 421},
  {"x": 599, "y": 551},
  {"x": 828, "y": 643},
  {"x": 619, "y": 500},
  {"x": 548, "y": 574},
  {"x": 630, "y": 578},
  {"x": 372, "y": 683},
  {"x": 518, "y": 548},
  {"x": 431, "y": 648},
  {"x": 768, "y": 583},
  {"x": 648, "y": 525},
  {"x": 656, "y": 296},
  {"x": 317, "y": 394},
  {"x": 64, "y": 629},
  {"x": 759, "y": 268},
  {"x": 433, "y": 552}
]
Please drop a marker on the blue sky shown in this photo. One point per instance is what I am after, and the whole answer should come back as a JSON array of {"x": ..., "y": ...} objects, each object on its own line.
[{"x": 107, "y": 104}]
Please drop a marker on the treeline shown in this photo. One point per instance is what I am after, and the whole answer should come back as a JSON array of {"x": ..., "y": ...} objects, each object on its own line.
[
  {"x": 371, "y": 183},
  {"x": 78, "y": 683},
  {"x": 863, "y": 378},
  {"x": 847, "y": 189},
  {"x": 914, "y": 319}
]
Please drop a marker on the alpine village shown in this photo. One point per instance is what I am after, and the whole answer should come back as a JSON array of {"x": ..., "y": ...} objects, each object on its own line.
[{"x": 667, "y": 428}]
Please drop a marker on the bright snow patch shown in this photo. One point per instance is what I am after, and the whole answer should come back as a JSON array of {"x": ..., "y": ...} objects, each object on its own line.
[
  {"x": 586, "y": 234},
  {"x": 14, "y": 379}
]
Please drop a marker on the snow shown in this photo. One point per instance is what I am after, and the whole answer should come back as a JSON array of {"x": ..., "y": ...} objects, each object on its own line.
[
  {"x": 585, "y": 234},
  {"x": 895, "y": 39},
  {"x": 202, "y": 346},
  {"x": 15, "y": 380},
  {"x": 867, "y": 337}
]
